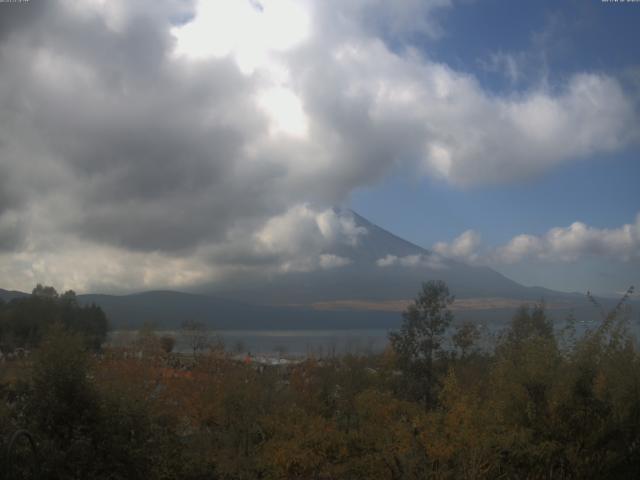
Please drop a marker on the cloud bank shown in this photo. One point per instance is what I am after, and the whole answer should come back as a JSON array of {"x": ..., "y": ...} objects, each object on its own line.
[
  {"x": 167, "y": 143},
  {"x": 433, "y": 262},
  {"x": 462, "y": 248},
  {"x": 560, "y": 244}
]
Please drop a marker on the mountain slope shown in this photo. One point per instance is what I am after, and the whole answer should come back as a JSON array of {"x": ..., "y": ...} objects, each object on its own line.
[
  {"x": 365, "y": 279},
  {"x": 362, "y": 294},
  {"x": 8, "y": 295}
]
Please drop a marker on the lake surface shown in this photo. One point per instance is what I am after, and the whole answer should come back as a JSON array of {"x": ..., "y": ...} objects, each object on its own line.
[
  {"x": 298, "y": 343},
  {"x": 285, "y": 342}
]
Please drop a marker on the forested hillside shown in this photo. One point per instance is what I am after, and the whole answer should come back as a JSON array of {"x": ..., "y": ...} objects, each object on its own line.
[{"x": 25, "y": 318}]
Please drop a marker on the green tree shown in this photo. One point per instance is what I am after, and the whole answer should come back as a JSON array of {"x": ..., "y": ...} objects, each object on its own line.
[
  {"x": 419, "y": 341},
  {"x": 44, "y": 291},
  {"x": 88, "y": 426},
  {"x": 466, "y": 336},
  {"x": 530, "y": 322},
  {"x": 24, "y": 320},
  {"x": 63, "y": 405}
]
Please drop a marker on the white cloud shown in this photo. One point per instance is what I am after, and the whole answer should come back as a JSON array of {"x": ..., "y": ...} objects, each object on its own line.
[
  {"x": 85, "y": 266},
  {"x": 340, "y": 227},
  {"x": 302, "y": 229},
  {"x": 328, "y": 260},
  {"x": 397, "y": 19},
  {"x": 441, "y": 116},
  {"x": 285, "y": 111},
  {"x": 145, "y": 134},
  {"x": 301, "y": 236},
  {"x": 560, "y": 244},
  {"x": 568, "y": 244},
  {"x": 462, "y": 248},
  {"x": 433, "y": 262},
  {"x": 519, "y": 247},
  {"x": 309, "y": 263},
  {"x": 251, "y": 32}
]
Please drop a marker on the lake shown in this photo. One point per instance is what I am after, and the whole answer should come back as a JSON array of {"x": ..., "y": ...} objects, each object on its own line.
[
  {"x": 297, "y": 343},
  {"x": 285, "y": 342}
]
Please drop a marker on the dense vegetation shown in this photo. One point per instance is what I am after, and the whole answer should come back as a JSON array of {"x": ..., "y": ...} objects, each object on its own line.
[
  {"x": 539, "y": 404},
  {"x": 23, "y": 321}
]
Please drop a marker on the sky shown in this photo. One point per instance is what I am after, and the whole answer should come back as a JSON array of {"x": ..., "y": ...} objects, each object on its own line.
[{"x": 178, "y": 143}]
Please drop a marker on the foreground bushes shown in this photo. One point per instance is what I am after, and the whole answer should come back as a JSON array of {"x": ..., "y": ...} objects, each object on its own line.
[{"x": 538, "y": 406}]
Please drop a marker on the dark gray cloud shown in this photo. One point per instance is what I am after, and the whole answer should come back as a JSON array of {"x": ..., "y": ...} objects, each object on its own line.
[
  {"x": 15, "y": 17},
  {"x": 12, "y": 232},
  {"x": 149, "y": 145},
  {"x": 129, "y": 155}
]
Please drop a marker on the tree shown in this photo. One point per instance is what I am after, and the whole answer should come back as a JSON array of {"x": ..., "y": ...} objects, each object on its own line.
[
  {"x": 63, "y": 406},
  {"x": 196, "y": 335},
  {"x": 528, "y": 323},
  {"x": 420, "y": 337},
  {"x": 466, "y": 336},
  {"x": 24, "y": 320},
  {"x": 92, "y": 420},
  {"x": 44, "y": 291},
  {"x": 167, "y": 343}
]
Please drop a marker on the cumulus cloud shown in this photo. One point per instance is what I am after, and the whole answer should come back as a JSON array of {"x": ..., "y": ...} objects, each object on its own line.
[
  {"x": 395, "y": 20},
  {"x": 433, "y": 262},
  {"x": 71, "y": 263},
  {"x": 301, "y": 236},
  {"x": 462, "y": 248},
  {"x": 143, "y": 133},
  {"x": 568, "y": 244},
  {"x": 560, "y": 244}
]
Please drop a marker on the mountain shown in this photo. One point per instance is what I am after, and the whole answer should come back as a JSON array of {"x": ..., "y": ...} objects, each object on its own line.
[
  {"x": 364, "y": 279},
  {"x": 8, "y": 295},
  {"x": 168, "y": 309},
  {"x": 362, "y": 294}
]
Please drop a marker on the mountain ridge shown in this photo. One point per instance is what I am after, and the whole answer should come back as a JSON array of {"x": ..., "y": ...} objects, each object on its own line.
[
  {"x": 362, "y": 294},
  {"x": 366, "y": 277}
]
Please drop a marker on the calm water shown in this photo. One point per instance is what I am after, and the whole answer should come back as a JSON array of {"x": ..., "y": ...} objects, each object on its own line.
[
  {"x": 287, "y": 342},
  {"x": 317, "y": 342}
]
